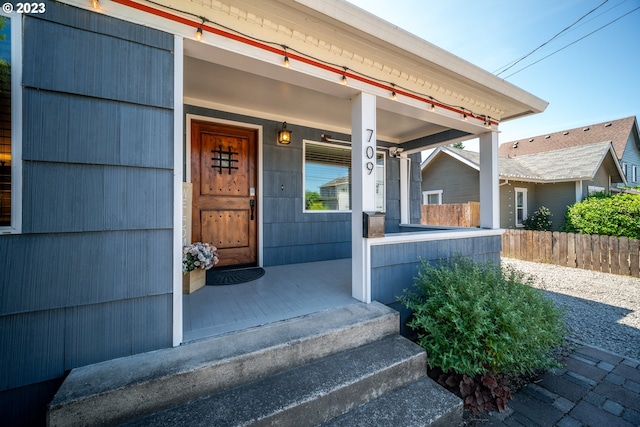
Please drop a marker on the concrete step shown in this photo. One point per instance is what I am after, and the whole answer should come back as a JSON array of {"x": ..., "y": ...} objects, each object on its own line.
[
  {"x": 114, "y": 391},
  {"x": 309, "y": 394},
  {"x": 420, "y": 403}
]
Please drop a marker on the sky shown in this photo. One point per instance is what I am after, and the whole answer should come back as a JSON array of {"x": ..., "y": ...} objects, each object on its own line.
[{"x": 590, "y": 81}]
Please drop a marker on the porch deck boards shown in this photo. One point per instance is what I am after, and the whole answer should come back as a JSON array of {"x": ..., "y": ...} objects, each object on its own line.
[{"x": 283, "y": 292}]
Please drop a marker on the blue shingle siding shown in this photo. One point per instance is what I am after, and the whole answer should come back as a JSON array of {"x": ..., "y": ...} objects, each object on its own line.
[
  {"x": 631, "y": 157},
  {"x": 90, "y": 277},
  {"x": 394, "y": 267},
  {"x": 290, "y": 235}
]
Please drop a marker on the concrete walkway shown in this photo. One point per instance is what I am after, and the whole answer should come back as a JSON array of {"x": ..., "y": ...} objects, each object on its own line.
[{"x": 594, "y": 388}]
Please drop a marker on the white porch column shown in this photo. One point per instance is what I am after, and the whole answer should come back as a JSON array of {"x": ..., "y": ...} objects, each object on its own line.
[
  {"x": 489, "y": 181},
  {"x": 405, "y": 170},
  {"x": 363, "y": 188}
]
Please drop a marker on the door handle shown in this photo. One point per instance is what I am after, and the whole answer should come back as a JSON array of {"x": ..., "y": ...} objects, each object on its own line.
[{"x": 252, "y": 204}]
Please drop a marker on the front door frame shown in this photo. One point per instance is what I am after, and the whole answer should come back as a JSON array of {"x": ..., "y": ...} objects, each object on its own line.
[{"x": 187, "y": 165}]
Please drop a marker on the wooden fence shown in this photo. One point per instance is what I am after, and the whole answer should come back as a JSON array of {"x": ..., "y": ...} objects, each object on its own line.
[
  {"x": 456, "y": 215},
  {"x": 617, "y": 255}
]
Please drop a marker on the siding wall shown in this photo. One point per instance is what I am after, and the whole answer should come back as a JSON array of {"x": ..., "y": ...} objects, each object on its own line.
[
  {"x": 631, "y": 157},
  {"x": 557, "y": 197},
  {"x": 290, "y": 235},
  {"x": 461, "y": 183},
  {"x": 90, "y": 277}
]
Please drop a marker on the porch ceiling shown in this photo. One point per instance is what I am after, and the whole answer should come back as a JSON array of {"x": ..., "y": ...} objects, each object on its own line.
[{"x": 275, "y": 93}]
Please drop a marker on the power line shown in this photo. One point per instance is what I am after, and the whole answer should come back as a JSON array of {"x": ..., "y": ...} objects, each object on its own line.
[
  {"x": 572, "y": 43},
  {"x": 511, "y": 65}
]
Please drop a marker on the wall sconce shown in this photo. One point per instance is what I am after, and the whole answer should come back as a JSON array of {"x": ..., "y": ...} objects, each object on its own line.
[{"x": 284, "y": 135}]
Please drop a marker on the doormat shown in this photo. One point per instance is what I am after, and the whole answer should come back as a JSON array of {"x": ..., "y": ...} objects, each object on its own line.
[{"x": 233, "y": 277}]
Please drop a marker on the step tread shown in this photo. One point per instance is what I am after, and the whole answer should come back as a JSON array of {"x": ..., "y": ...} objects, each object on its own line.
[
  {"x": 117, "y": 374},
  {"x": 336, "y": 383},
  {"x": 421, "y": 403}
]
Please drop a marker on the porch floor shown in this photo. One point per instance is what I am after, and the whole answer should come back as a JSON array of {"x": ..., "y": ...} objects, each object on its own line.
[{"x": 285, "y": 291}]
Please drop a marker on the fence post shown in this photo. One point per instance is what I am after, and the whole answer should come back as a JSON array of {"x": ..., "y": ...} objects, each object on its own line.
[
  {"x": 613, "y": 250},
  {"x": 623, "y": 251},
  {"x": 596, "y": 257},
  {"x": 555, "y": 248},
  {"x": 634, "y": 257},
  {"x": 571, "y": 250}
]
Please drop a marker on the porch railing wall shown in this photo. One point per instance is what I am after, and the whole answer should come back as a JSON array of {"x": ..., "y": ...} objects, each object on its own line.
[
  {"x": 454, "y": 214},
  {"x": 608, "y": 254}
]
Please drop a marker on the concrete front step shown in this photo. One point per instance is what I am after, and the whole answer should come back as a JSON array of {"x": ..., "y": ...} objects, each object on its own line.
[
  {"x": 122, "y": 389},
  {"x": 310, "y": 394},
  {"x": 420, "y": 403}
]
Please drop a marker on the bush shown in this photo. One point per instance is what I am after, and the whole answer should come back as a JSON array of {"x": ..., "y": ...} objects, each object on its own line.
[
  {"x": 605, "y": 215},
  {"x": 478, "y": 321},
  {"x": 540, "y": 220}
]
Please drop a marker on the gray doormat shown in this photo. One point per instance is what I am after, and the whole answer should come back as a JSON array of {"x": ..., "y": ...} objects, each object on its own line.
[{"x": 233, "y": 277}]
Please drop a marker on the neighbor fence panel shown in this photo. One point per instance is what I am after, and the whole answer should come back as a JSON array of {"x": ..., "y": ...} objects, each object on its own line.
[
  {"x": 454, "y": 215},
  {"x": 609, "y": 254}
]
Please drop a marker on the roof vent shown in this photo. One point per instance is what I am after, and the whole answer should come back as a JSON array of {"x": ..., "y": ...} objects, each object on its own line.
[
  {"x": 607, "y": 125},
  {"x": 531, "y": 140},
  {"x": 515, "y": 144},
  {"x": 547, "y": 137},
  {"x": 585, "y": 129},
  {"x": 566, "y": 133}
]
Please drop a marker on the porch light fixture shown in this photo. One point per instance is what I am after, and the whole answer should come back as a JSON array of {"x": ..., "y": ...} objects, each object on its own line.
[
  {"x": 95, "y": 4},
  {"x": 394, "y": 96},
  {"x": 344, "y": 77},
  {"x": 284, "y": 135},
  {"x": 199, "y": 34}
]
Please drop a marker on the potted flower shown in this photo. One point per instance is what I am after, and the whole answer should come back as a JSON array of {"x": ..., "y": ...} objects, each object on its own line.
[{"x": 196, "y": 259}]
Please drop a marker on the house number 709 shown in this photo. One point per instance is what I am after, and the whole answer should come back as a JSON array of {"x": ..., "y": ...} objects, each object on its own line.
[{"x": 370, "y": 153}]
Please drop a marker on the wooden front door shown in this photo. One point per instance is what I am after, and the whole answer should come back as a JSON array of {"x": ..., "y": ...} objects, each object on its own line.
[{"x": 223, "y": 174}]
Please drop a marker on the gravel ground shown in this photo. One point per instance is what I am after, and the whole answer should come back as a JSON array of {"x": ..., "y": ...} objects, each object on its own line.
[{"x": 602, "y": 310}]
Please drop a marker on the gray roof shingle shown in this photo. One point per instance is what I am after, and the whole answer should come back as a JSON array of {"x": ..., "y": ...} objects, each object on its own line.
[{"x": 568, "y": 164}]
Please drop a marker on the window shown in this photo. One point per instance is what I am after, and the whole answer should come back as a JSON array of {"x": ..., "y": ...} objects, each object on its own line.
[
  {"x": 521, "y": 206},
  {"x": 327, "y": 178},
  {"x": 624, "y": 170},
  {"x": 432, "y": 197},
  {"x": 592, "y": 189},
  {"x": 634, "y": 173},
  {"x": 10, "y": 122}
]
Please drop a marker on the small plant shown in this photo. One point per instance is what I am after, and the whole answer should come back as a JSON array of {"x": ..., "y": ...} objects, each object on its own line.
[
  {"x": 198, "y": 255},
  {"x": 540, "y": 220},
  {"x": 481, "y": 323}
]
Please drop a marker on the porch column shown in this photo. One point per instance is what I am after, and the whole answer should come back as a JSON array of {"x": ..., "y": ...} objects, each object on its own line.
[
  {"x": 489, "y": 181},
  {"x": 363, "y": 189},
  {"x": 405, "y": 170}
]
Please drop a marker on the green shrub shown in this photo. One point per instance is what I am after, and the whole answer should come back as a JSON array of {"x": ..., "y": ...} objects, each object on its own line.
[
  {"x": 540, "y": 220},
  {"x": 605, "y": 215},
  {"x": 475, "y": 319}
]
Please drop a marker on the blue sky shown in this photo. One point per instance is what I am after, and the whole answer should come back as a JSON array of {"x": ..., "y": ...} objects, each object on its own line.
[{"x": 594, "y": 80}]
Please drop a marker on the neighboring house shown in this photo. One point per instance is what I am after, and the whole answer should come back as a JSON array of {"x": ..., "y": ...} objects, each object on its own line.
[
  {"x": 113, "y": 109},
  {"x": 555, "y": 179},
  {"x": 334, "y": 195},
  {"x": 622, "y": 133}
]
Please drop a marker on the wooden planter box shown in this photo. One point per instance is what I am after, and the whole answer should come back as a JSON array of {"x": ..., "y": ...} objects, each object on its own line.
[{"x": 193, "y": 281}]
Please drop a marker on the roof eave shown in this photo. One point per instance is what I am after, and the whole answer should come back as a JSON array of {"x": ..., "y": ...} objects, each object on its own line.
[{"x": 373, "y": 26}]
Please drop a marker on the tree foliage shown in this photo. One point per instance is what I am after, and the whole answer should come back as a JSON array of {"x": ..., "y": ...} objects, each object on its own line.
[{"x": 607, "y": 215}]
